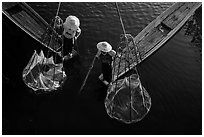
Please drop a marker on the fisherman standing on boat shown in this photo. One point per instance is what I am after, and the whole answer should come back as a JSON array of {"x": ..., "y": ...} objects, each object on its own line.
[
  {"x": 70, "y": 32},
  {"x": 106, "y": 55}
]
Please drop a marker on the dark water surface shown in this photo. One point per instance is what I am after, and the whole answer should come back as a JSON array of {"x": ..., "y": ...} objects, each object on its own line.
[{"x": 172, "y": 77}]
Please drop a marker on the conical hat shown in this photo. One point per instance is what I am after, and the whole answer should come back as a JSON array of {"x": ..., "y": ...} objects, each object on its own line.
[
  {"x": 72, "y": 22},
  {"x": 104, "y": 46}
]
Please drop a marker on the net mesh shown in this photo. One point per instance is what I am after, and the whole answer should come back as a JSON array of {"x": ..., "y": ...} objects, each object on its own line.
[
  {"x": 42, "y": 73},
  {"x": 127, "y": 100}
]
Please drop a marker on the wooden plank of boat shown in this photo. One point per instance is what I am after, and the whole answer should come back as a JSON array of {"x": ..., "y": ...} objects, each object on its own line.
[
  {"x": 30, "y": 22},
  {"x": 154, "y": 36}
]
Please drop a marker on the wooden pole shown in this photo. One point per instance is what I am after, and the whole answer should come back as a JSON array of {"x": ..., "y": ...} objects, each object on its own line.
[{"x": 87, "y": 75}]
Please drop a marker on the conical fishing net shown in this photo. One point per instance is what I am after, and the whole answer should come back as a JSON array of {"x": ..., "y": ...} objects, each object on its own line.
[
  {"x": 127, "y": 100},
  {"x": 42, "y": 73}
]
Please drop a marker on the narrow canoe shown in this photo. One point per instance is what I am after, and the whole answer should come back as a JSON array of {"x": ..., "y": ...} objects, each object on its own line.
[
  {"x": 31, "y": 22},
  {"x": 152, "y": 37}
]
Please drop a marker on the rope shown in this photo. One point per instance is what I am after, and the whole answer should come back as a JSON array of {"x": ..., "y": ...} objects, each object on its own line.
[
  {"x": 55, "y": 58},
  {"x": 121, "y": 21},
  {"x": 118, "y": 67},
  {"x": 127, "y": 55},
  {"x": 58, "y": 8},
  {"x": 118, "y": 11},
  {"x": 53, "y": 41}
]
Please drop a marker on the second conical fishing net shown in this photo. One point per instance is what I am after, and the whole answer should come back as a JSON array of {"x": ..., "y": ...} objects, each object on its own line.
[{"x": 127, "y": 100}]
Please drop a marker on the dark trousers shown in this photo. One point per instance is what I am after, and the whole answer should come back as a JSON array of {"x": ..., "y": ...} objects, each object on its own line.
[{"x": 107, "y": 72}]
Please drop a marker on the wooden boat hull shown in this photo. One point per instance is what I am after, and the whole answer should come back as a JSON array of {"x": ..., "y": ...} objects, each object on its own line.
[
  {"x": 32, "y": 23},
  {"x": 154, "y": 36}
]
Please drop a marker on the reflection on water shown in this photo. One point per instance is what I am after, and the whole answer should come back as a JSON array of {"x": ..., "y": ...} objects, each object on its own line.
[{"x": 172, "y": 77}]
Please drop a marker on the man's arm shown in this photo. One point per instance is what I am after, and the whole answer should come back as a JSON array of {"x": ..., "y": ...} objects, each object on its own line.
[
  {"x": 98, "y": 53},
  {"x": 112, "y": 53},
  {"x": 78, "y": 33}
]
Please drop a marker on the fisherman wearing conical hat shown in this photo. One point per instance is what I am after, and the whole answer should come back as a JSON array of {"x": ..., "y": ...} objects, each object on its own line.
[
  {"x": 106, "y": 55},
  {"x": 71, "y": 32}
]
